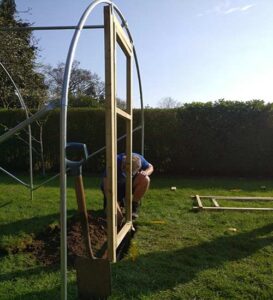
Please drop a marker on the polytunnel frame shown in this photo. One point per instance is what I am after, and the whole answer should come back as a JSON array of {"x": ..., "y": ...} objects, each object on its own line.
[
  {"x": 63, "y": 118},
  {"x": 50, "y": 105},
  {"x": 63, "y": 127},
  {"x": 24, "y": 107}
]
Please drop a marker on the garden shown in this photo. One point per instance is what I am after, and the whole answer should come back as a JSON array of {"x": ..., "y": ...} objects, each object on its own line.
[
  {"x": 204, "y": 229},
  {"x": 176, "y": 253}
]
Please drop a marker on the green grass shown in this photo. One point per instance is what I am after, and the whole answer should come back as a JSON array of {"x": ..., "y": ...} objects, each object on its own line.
[{"x": 176, "y": 253}]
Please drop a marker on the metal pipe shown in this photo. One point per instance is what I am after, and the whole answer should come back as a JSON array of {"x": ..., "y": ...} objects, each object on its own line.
[
  {"x": 27, "y": 122},
  {"x": 21, "y": 100},
  {"x": 23, "y": 105},
  {"x": 45, "y": 182},
  {"x": 14, "y": 177},
  {"x": 30, "y": 161},
  {"x": 141, "y": 102},
  {"x": 39, "y": 28}
]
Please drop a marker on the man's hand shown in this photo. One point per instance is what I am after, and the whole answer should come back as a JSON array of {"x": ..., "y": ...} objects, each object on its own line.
[
  {"x": 148, "y": 171},
  {"x": 144, "y": 173}
]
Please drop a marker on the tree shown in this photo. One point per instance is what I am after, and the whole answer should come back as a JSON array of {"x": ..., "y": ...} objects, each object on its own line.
[
  {"x": 7, "y": 10},
  {"x": 18, "y": 54},
  {"x": 83, "y": 84},
  {"x": 168, "y": 102},
  {"x": 121, "y": 103}
]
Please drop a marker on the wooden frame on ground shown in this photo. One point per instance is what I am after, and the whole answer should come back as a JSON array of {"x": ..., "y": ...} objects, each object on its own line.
[{"x": 216, "y": 206}]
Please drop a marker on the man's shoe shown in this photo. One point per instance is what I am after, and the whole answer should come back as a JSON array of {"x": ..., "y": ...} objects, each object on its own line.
[
  {"x": 135, "y": 210},
  {"x": 134, "y": 216}
]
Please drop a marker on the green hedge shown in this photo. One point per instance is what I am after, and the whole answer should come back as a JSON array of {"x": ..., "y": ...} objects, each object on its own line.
[
  {"x": 226, "y": 138},
  {"x": 220, "y": 138}
]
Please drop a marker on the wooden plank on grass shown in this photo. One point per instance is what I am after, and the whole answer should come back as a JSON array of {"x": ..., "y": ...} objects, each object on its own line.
[
  {"x": 200, "y": 205},
  {"x": 215, "y": 202},
  {"x": 238, "y": 198},
  {"x": 235, "y": 208}
]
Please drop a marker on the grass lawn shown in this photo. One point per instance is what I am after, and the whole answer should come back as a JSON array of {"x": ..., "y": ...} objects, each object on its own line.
[{"x": 176, "y": 253}]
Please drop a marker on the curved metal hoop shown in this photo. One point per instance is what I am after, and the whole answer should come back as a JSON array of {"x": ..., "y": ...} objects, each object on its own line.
[
  {"x": 63, "y": 128},
  {"x": 24, "y": 107}
]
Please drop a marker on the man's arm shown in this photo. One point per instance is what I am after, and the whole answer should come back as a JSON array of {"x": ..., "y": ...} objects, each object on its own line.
[{"x": 148, "y": 171}]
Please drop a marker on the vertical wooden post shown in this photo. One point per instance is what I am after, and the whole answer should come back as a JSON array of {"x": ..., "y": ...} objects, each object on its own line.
[
  {"x": 114, "y": 33},
  {"x": 111, "y": 134},
  {"x": 129, "y": 140}
]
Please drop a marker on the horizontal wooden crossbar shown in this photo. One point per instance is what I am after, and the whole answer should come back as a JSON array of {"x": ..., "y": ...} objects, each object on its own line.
[{"x": 123, "y": 114}]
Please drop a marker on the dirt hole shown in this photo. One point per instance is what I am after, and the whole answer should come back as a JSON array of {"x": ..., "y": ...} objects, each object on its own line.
[{"x": 45, "y": 247}]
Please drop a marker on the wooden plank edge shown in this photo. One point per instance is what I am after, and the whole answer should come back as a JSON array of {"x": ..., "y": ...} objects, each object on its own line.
[
  {"x": 123, "y": 114},
  {"x": 216, "y": 204},
  {"x": 238, "y": 198},
  {"x": 124, "y": 230},
  {"x": 200, "y": 205},
  {"x": 235, "y": 208}
]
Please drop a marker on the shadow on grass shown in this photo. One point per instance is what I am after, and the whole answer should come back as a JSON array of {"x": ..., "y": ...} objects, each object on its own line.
[
  {"x": 5, "y": 204},
  {"x": 35, "y": 225},
  {"x": 31, "y": 225},
  {"x": 28, "y": 273},
  {"x": 49, "y": 293},
  {"x": 53, "y": 294},
  {"x": 164, "y": 270}
]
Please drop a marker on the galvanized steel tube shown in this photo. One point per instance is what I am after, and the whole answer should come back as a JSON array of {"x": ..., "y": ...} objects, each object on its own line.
[
  {"x": 26, "y": 122},
  {"x": 23, "y": 105},
  {"x": 39, "y": 28},
  {"x": 15, "y": 178}
]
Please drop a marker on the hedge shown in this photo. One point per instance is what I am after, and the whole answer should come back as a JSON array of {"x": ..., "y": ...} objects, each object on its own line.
[{"x": 214, "y": 138}]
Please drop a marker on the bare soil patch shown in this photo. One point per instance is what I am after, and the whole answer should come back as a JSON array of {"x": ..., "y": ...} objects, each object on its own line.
[{"x": 46, "y": 245}]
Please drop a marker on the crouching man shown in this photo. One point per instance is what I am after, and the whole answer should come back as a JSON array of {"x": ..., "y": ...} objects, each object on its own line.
[{"x": 141, "y": 170}]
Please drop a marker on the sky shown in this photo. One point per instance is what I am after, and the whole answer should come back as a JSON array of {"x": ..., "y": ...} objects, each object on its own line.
[{"x": 189, "y": 50}]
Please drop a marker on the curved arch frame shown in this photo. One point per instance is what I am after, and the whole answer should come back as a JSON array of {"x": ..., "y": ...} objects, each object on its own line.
[
  {"x": 63, "y": 125},
  {"x": 63, "y": 128},
  {"x": 24, "y": 107}
]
